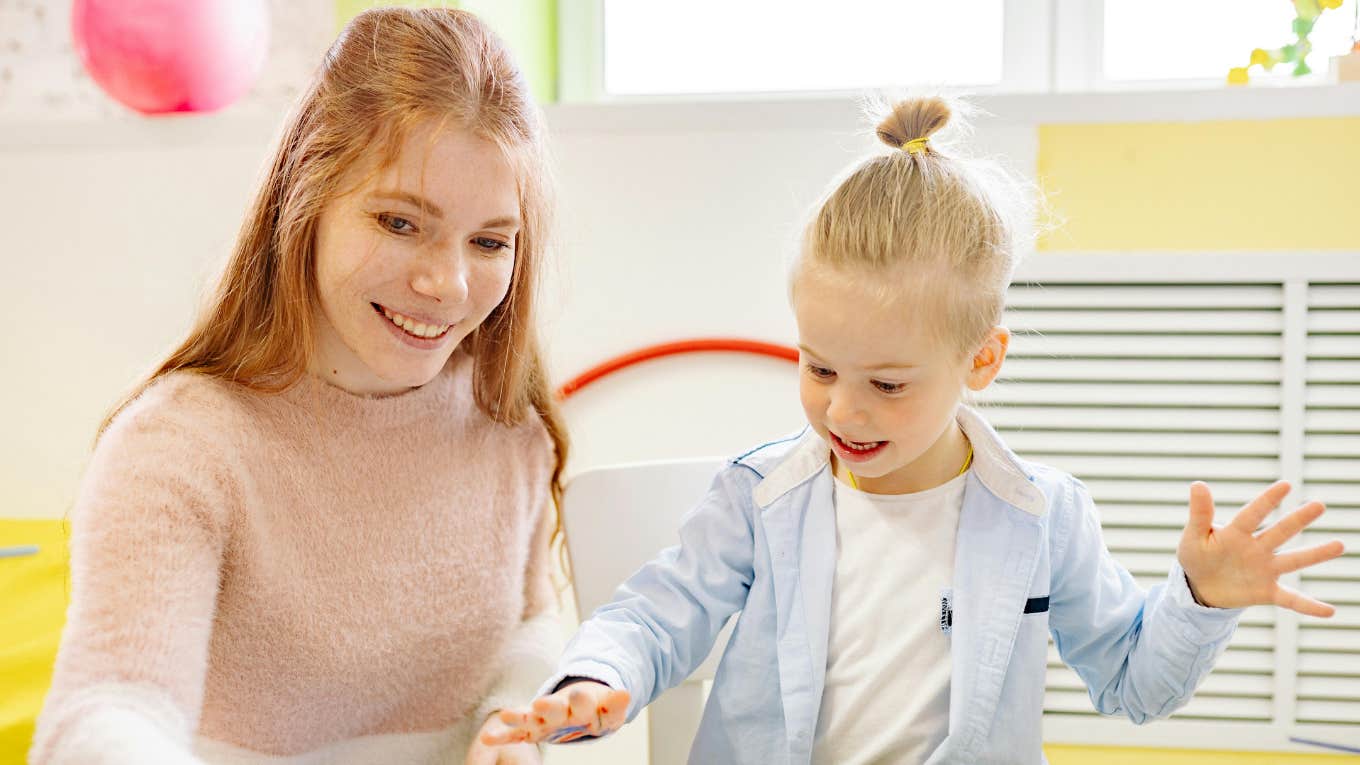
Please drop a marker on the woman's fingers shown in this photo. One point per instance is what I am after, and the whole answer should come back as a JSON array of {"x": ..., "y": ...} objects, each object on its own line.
[{"x": 505, "y": 727}]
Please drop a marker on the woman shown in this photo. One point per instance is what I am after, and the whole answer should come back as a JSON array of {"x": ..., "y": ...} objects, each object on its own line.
[{"x": 320, "y": 531}]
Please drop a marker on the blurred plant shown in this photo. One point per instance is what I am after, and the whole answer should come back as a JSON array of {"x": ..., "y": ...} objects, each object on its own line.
[{"x": 1306, "y": 13}]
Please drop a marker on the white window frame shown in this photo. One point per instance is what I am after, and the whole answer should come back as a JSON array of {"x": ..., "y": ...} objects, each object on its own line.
[
  {"x": 1025, "y": 59},
  {"x": 1049, "y": 46}
]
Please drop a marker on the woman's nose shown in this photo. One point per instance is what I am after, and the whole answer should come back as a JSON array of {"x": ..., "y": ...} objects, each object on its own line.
[{"x": 441, "y": 274}]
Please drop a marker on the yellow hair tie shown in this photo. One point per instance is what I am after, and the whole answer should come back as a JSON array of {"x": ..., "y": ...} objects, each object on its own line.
[{"x": 915, "y": 146}]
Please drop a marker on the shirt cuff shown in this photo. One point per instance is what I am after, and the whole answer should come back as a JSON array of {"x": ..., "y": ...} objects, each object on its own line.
[{"x": 1198, "y": 623}]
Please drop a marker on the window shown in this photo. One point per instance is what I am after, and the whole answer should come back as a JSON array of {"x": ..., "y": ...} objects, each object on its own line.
[
  {"x": 626, "y": 49},
  {"x": 720, "y": 46},
  {"x": 1175, "y": 40}
]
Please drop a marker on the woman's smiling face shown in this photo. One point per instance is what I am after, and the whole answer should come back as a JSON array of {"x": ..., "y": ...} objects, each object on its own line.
[{"x": 412, "y": 260}]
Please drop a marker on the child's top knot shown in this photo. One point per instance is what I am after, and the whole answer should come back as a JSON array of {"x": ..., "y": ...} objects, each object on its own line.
[{"x": 911, "y": 123}]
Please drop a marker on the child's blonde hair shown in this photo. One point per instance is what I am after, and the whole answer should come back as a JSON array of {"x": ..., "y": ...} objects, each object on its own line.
[{"x": 938, "y": 229}]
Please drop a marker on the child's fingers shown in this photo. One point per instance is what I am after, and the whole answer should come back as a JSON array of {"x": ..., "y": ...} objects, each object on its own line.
[
  {"x": 583, "y": 704},
  {"x": 1311, "y": 556},
  {"x": 1297, "y": 601},
  {"x": 614, "y": 710},
  {"x": 551, "y": 712},
  {"x": 1201, "y": 511},
  {"x": 1249, "y": 518},
  {"x": 1284, "y": 529}
]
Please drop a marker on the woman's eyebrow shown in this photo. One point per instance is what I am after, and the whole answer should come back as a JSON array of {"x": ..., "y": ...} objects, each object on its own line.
[
  {"x": 415, "y": 200},
  {"x": 505, "y": 221}
]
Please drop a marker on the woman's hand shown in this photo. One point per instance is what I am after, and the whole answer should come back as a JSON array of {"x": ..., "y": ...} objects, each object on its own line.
[
  {"x": 481, "y": 753},
  {"x": 584, "y": 708},
  {"x": 1233, "y": 566}
]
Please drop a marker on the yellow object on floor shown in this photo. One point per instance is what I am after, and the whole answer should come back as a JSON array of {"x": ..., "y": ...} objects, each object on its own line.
[
  {"x": 1108, "y": 755},
  {"x": 33, "y": 596}
]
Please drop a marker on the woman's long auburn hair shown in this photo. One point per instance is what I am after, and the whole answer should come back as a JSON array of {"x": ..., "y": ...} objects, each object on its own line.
[{"x": 388, "y": 71}]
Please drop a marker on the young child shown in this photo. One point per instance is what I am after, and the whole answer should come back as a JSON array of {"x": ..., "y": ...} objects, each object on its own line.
[{"x": 897, "y": 568}]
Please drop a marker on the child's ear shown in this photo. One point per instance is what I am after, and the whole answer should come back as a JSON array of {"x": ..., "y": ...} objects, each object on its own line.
[{"x": 986, "y": 363}]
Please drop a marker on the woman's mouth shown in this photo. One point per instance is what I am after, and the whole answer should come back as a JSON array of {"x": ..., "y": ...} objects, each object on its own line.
[
  {"x": 412, "y": 327},
  {"x": 856, "y": 451}
]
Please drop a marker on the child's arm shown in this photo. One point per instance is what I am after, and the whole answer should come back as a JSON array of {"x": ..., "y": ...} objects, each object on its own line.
[
  {"x": 659, "y": 627},
  {"x": 1143, "y": 654}
]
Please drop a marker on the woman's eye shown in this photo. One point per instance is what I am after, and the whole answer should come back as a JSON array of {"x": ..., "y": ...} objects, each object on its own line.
[
  {"x": 490, "y": 245},
  {"x": 888, "y": 387},
  {"x": 396, "y": 224}
]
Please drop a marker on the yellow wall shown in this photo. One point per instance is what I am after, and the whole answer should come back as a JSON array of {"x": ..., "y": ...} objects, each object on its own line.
[
  {"x": 33, "y": 595},
  {"x": 1287, "y": 184}
]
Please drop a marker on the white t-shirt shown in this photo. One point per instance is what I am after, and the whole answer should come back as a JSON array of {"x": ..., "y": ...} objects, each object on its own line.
[{"x": 887, "y": 666}]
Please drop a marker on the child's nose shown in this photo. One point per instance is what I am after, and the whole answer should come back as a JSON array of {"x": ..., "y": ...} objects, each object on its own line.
[{"x": 845, "y": 408}]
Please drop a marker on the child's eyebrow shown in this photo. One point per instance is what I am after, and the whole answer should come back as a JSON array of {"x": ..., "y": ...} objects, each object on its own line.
[{"x": 873, "y": 368}]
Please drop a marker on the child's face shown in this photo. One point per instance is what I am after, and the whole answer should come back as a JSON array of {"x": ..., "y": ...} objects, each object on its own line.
[
  {"x": 875, "y": 383},
  {"x": 427, "y": 244}
]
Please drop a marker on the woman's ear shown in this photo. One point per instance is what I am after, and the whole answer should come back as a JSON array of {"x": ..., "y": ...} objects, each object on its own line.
[{"x": 986, "y": 363}]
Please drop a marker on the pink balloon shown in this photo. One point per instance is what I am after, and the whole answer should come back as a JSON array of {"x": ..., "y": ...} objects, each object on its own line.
[{"x": 160, "y": 56}]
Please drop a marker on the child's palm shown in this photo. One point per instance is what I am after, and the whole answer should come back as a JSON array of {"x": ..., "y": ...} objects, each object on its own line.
[
  {"x": 581, "y": 709},
  {"x": 1233, "y": 566}
]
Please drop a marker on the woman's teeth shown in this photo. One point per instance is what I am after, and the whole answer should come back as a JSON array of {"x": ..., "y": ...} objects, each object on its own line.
[{"x": 414, "y": 327}]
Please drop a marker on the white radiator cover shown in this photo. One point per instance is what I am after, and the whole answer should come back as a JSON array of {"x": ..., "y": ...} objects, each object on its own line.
[{"x": 1140, "y": 373}]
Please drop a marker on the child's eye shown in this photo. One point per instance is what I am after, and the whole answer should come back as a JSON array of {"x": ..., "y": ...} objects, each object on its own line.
[
  {"x": 396, "y": 224},
  {"x": 821, "y": 372},
  {"x": 487, "y": 244},
  {"x": 888, "y": 387}
]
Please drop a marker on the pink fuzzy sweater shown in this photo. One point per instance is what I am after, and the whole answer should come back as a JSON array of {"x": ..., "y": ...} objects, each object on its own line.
[{"x": 311, "y": 576}]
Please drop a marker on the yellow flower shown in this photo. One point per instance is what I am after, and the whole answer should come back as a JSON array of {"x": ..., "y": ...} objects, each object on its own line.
[{"x": 1237, "y": 75}]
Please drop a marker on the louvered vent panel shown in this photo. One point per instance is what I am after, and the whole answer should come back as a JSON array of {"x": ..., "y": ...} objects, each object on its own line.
[
  {"x": 1327, "y": 689},
  {"x": 1139, "y": 389}
]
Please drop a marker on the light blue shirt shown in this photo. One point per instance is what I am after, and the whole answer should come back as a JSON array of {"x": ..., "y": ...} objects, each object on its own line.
[{"x": 763, "y": 542}]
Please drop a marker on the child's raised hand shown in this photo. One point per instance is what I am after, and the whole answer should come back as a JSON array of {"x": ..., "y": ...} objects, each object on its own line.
[
  {"x": 584, "y": 708},
  {"x": 1233, "y": 566}
]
